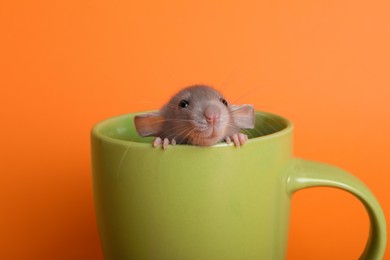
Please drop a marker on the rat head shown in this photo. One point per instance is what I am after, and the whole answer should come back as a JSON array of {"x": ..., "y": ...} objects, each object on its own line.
[{"x": 197, "y": 115}]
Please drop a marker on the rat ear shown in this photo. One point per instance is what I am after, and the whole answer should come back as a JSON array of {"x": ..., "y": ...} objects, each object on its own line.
[
  {"x": 243, "y": 116},
  {"x": 148, "y": 124}
]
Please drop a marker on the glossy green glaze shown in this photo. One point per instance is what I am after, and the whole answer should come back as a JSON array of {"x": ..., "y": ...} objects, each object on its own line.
[{"x": 219, "y": 202}]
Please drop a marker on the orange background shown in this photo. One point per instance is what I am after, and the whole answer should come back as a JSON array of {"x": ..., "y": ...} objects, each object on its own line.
[{"x": 65, "y": 65}]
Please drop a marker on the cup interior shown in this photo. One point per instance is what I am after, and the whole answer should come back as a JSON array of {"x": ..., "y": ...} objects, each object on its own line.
[{"x": 122, "y": 127}]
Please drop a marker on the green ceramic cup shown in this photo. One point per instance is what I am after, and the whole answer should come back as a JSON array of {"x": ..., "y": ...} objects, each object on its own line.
[{"x": 219, "y": 202}]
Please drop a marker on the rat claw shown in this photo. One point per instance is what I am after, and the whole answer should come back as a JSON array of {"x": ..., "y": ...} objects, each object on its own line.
[
  {"x": 165, "y": 143},
  {"x": 157, "y": 142},
  {"x": 243, "y": 138},
  {"x": 228, "y": 140},
  {"x": 238, "y": 139}
]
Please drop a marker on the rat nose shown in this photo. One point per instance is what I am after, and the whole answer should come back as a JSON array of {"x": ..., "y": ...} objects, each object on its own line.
[{"x": 212, "y": 114}]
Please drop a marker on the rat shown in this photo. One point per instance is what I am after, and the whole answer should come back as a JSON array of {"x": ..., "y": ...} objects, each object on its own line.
[{"x": 197, "y": 115}]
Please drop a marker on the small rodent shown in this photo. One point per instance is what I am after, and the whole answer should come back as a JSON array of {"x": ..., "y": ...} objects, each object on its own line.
[{"x": 197, "y": 115}]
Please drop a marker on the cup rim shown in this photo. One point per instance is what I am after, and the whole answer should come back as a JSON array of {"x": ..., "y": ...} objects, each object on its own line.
[{"x": 95, "y": 131}]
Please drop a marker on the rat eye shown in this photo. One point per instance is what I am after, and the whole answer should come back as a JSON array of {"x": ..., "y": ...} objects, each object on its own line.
[
  {"x": 224, "y": 101},
  {"x": 183, "y": 103}
]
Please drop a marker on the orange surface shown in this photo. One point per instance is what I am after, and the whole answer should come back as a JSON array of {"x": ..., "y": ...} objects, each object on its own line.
[{"x": 65, "y": 65}]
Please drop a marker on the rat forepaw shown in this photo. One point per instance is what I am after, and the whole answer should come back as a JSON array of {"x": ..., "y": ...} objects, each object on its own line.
[
  {"x": 165, "y": 142},
  {"x": 238, "y": 139}
]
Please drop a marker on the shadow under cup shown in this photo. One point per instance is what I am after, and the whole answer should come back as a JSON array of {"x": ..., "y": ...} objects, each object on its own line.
[{"x": 219, "y": 202}]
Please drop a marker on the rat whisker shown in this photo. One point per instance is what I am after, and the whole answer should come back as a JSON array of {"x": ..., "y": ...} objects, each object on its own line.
[
  {"x": 182, "y": 135},
  {"x": 167, "y": 133},
  {"x": 184, "y": 119},
  {"x": 177, "y": 120},
  {"x": 248, "y": 133},
  {"x": 277, "y": 122},
  {"x": 270, "y": 126},
  {"x": 184, "y": 138},
  {"x": 234, "y": 102}
]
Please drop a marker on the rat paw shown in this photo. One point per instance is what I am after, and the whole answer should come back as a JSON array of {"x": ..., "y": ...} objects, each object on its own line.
[
  {"x": 165, "y": 142},
  {"x": 238, "y": 139}
]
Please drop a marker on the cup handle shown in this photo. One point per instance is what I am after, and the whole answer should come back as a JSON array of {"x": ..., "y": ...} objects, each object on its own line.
[{"x": 307, "y": 174}]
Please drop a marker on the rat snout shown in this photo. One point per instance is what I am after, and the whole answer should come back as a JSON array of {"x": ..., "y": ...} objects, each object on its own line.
[{"x": 212, "y": 114}]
